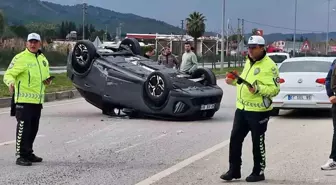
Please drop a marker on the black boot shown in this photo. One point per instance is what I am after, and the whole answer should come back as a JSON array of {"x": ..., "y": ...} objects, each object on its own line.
[
  {"x": 255, "y": 177},
  {"x": 231, "y": 174},
  {"x": 35, "y": 159},
  {"x": 23, "y": 161}
]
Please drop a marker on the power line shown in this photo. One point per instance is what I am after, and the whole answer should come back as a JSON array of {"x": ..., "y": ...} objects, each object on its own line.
[{"x": 280, "y": 27}]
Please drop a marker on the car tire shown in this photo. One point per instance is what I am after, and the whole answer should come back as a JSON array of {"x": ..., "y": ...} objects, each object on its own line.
[
  {"x": 275, "y": 112},
  {"x": 83, "y": 55},
  {"x": 133, "y": 44},
  {"x": 209, "y": 76},
  {"x": 157, "y": 87}
]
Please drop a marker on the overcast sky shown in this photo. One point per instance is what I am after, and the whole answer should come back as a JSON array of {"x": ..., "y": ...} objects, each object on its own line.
[{"x": 311, "y": 14}]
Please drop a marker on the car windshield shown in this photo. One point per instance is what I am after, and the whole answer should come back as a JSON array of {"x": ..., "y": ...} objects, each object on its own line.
[
  {"x": 305, "y": 66},
  {"x": 278, "y": 58}
]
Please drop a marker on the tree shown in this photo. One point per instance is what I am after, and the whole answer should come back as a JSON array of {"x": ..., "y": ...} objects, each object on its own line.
[
  {"x": 62, "y": 31},
  {"x": 2, "y": 23},
  {"x": 20, "y": 31},
  {"x": 234, "y": 38},
  {"x": 254, "y": 31},
  {"x": 196, "y": 26}
]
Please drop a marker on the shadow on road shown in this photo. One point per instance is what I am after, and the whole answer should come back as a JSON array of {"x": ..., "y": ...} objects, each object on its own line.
[{"x": 305, "y": 114}]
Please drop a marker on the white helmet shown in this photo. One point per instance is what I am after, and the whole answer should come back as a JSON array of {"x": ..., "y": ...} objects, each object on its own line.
[{"x": 256, "y": 40}]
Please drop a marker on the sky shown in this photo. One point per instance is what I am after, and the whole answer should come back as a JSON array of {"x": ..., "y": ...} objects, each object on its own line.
[{"x": 268, "y": 15}]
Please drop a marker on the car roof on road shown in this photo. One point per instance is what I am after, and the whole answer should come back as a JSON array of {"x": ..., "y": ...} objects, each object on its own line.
[{"x": 295, "y": 59}]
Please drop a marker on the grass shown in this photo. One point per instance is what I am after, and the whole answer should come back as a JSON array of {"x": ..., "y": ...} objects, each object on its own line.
[
  {"x": 63, "y": 83},
  {"x": 60, "y": 83},
  {"x": 227, "y": 69}
]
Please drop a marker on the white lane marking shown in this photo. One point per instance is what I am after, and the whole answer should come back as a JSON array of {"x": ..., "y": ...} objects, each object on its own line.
[
  {"x": 137, "y": 144},
  {"x": 13, "y": 141},
  {"x": 47, "y": 106},
  {"x": 157, "y": 177}
]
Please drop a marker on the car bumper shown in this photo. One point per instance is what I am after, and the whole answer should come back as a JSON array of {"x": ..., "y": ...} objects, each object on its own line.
[
  {"x": 193, "y": 102},
  {"x": 319, "y": 100}
]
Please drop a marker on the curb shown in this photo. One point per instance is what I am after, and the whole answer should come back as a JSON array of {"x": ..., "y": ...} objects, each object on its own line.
[
  {"x": 56, "y": 96},
  {"x": 49, "y": 97}
]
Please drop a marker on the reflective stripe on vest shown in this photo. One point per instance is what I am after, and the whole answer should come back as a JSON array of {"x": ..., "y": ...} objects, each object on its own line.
[
  {"x": 30, "y": 95},
  {"x": 250, "y": 104}
]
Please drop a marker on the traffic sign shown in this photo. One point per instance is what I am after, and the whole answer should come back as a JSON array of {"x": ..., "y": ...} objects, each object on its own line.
[{"x": 305, "y": 46}]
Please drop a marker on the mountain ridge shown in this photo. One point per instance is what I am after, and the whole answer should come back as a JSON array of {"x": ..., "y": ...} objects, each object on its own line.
[{"x": 28, "y": 11}]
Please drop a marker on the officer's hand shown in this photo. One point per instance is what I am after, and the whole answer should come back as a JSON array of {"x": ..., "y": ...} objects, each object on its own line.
[
  {"x": 229, "y": 81},
  {"x": 11, "y": 88},
  {"x": 332, "y": 99},
  {"x": 47, "y": 82},
  {"x": 252, "y": 90}
]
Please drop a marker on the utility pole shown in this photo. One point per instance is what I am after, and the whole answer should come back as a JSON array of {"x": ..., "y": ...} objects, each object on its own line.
[
  {"x": 222, "y": 40},
  {"x": 227, "y": 39},
  {"x": 105, "y": 35},
  {"x": 327, "y": 40},
  {"x": 242, "y": 30},
  {"x": 182, "y": 34},
  {"x": 238, "y": 36},
  {"x": 294, "y": 37},
  {"x": 84, "y": 13}
]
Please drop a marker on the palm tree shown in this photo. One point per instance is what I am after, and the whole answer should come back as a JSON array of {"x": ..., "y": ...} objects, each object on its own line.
[{"x": 196, "y": 26}]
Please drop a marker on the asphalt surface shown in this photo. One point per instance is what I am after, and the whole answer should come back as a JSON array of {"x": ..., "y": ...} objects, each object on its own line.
[{"x": 81, "y": 146}]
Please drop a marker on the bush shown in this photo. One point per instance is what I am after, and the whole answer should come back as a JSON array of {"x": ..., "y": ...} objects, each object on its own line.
[{"x": 55, "y": 58}]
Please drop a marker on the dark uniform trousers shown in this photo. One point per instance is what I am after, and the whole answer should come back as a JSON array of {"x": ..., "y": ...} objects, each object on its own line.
[
  {"x": 333, "y": 146},
  {"x": 28, "y": 119},
  {"x": 245, "y": 121}
]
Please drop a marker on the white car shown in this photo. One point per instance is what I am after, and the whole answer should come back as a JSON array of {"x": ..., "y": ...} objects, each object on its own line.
[
  {"x": 278, "y": 57},
  {"x": 302, "y": 84}
]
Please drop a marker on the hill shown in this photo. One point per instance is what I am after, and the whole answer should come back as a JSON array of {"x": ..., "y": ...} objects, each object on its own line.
[
  {"x": 18, "y": 12},
  {"x": 28, "y": 11}
]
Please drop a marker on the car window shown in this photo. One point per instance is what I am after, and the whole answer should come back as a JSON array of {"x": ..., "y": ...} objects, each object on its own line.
[
  {"x": 278, "y": 58},
  {"x": 305, "y": 66}
]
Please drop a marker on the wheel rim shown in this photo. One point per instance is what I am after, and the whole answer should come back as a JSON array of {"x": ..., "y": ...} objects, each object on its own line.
[
  {"x": 156, "y": 86},
  {"x": 82, "y": 54}
]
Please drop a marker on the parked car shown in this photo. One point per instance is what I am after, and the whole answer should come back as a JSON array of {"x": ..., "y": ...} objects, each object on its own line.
[
  {"x": 302, "y": 84},
  {"x": 278, "y": 57},
  {"x": 119, "y": 78}
]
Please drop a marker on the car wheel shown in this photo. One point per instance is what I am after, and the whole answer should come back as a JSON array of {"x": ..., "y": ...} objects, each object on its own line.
[
  {"x": 209, "y": 78},
  {"x": 275, "y": 112},
  {"x": 83, "y": 55},
  {"x": 157, "y": 87},
  {"x": 133, "y": 44}
]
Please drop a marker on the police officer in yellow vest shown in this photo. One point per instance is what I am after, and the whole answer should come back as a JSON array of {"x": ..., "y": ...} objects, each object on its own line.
[
  {"x": 27, "y": 77},
  {"x": 253, "y": 109}
]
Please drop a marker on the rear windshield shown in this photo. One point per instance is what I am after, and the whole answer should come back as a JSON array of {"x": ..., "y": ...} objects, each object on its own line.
[
  {"x": 278, "y": 58},
  {"x": 305, "y": 66}
]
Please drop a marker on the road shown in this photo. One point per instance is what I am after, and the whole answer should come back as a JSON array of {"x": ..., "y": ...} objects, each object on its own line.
[{"x": 81, "y": 146}]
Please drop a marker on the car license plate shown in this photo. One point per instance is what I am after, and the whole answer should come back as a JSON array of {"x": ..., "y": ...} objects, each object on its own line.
[
  {"x": 207, "y": 107},
  {"x": 299, "y": 97}
]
